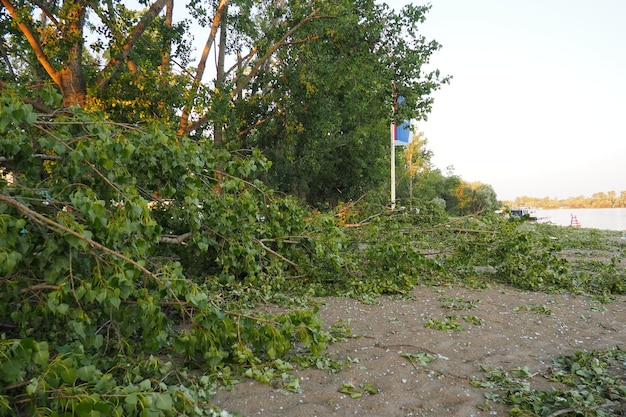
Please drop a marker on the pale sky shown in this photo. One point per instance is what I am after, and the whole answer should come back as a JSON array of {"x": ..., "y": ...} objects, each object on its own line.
[{"x": 537, "y": 103}]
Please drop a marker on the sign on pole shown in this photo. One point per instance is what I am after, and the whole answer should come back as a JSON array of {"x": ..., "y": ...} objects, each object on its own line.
[{"x": 400, "y": 136}]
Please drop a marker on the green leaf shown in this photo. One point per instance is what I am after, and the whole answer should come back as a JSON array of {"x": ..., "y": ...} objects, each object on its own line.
[
  {"x": 84, "y": 408},
  {"x": 115, "y": 302},
  {"x": 131, "y": 400},
  {"x": 145, "y": 385},
  {"x": 164, "y": 402},
  {"x": 87, "y": 373},
  {"x": 62, "y": 308},
  {"x": 11, "y": 371},
  {"x": 69, "y": 375},
  {"x": 42, "y": 354}
]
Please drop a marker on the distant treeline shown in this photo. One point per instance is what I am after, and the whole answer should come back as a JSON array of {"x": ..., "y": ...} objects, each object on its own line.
[{"x": 609, "y": 199}]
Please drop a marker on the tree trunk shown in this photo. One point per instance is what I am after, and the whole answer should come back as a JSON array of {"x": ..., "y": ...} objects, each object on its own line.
[
  {"x": 73, "y": 85},
  {"x": 165, "y": 59},
  {"x": 184, "y": 118},
  {"x": 218, "y": 134}
]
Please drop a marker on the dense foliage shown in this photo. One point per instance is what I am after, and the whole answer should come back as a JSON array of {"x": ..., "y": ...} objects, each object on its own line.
[
  {"x": 138, "y": 233},
  {"x": 112, "y": 255}
]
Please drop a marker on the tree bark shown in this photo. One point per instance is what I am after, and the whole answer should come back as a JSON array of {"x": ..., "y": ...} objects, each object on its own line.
[
  {"x": 184, "y": 118},
  {"x": 218, "y": 134},
  {"x": 73, "y": 85},
  {"x": 165, "y": 59}
]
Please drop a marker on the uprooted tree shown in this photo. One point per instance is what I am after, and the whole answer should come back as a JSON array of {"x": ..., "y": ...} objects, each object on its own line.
[{"x": 132, "y": 188}]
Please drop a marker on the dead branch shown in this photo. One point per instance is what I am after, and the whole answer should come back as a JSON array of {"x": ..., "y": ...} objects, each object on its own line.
[
  {"x": 276, "y": 254},
  {"x": 176, "y": 240}
]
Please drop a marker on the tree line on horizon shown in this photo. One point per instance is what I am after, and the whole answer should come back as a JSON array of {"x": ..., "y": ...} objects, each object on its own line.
[{"x": 610, "y": 199}]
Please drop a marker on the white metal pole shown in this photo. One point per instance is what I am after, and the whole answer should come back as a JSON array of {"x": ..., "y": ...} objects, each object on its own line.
[{"x": 393, "y": 169}]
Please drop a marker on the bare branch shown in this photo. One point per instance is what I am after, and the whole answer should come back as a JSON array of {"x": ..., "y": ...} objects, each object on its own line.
[
  {"x": 47, "y": 13},
  {"x": 276, "y": 254},
  {"x": 177, "y": 240},
  {"x": 271, "y": 51},
  {"x": 242, "y": 62},
  {"x": 5, "y": 57},
  {"x": 261, "y": 122}
]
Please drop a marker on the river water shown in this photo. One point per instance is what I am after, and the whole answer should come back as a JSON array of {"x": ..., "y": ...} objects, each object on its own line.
[{"x": 595, "y": 218}]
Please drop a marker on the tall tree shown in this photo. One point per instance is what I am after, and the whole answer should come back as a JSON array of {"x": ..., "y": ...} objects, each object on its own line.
[
  {"x": 416, "y": 159},
  {"x": 329, "y": 105}
]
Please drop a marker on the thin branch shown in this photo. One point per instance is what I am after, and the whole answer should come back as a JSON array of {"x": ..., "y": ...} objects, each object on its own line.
[
  {"x": 34, "y": 43},
  {"x": 177, "y": 240},
  {"x": 244, "y": 62},
  {"x": 39, "y": 287},
  {"x": 59, "y": 228},
  {"x": 47, "y": 13},
  {"x": 114, "y": 64},
  {"x": 92, "y": 166},
  {"x": 184, "y": 118},
  {"x": 563, "y": 411},
  {"x": 273, "y": 49},
  {"x": 5, "y": 57},
  {"x": 260, "y": 122},
  {"x": 207, "y": 47},
  {"x": 42, "y": 156},
  {"x": 276, "y": 254},
  {"x": 165, "y": 59},
  {"x": 285, "y": 239},
  {"x": 255, "y": 69}
]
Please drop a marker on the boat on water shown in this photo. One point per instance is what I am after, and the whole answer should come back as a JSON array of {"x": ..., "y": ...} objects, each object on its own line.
[
  {"x": 523, "y": 211},
  {"x": 531, "y": 212}
]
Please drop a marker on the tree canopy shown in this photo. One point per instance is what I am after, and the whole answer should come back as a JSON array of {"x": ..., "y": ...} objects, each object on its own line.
[{"x": 310, "y": 84}]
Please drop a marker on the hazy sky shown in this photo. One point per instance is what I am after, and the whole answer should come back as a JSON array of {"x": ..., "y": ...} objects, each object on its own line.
[{"x": 537, "y": 103}]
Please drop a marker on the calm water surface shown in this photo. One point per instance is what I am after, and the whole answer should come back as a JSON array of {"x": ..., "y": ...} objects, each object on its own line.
[{"x": 608, "y": 218}]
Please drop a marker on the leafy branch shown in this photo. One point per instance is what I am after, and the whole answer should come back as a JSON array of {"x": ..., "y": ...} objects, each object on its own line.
[{"x": 59, "y": 228}]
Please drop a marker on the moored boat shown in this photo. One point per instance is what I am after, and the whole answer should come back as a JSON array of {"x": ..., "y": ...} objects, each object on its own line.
[{"x": 531, "y": 212}]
